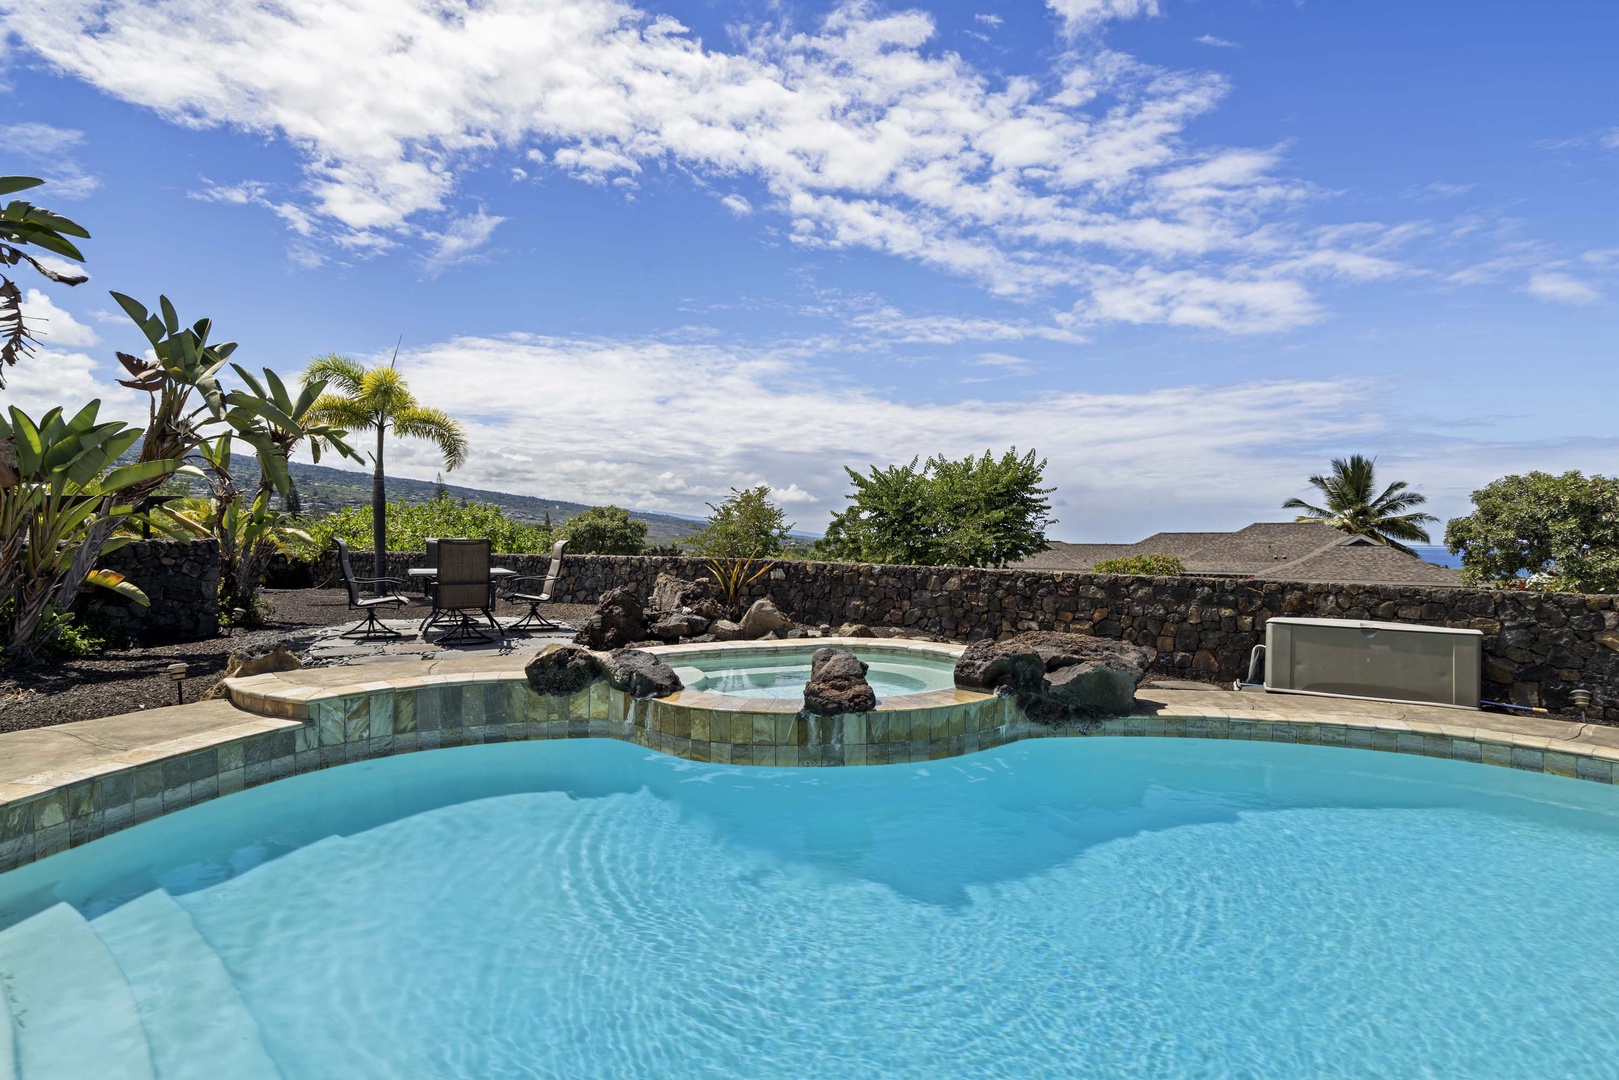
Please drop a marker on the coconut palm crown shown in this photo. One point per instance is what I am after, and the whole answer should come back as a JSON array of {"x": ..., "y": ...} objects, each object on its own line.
[
  {"x": 377, "y": 399},
  {"x": 1388, "y": 518}
]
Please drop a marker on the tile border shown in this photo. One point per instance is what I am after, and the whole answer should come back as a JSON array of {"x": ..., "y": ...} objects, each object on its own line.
[{"x": 300, "y": 728}]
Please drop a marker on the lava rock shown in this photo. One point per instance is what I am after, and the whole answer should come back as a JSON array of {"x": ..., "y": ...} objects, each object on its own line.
[
  {"x": 1001, "y": 665},
  {"x": 670, "y": 593},
  {"x": 641, "y": 674},
  {"x": 837, "y": 684},
  {"x": 676, "y": 625},
  {"x": 1058, "y": 677},
  {"x": 563, "y": 670},
  {"x": 617, "y": 621},
  {"x": 854, "y": 629},
  {"x": 245, "y": 665},
  {"x": 725, "y": 630},
  {"x": 1093, "y": 689},
  {"x": 764, "y": 618}
]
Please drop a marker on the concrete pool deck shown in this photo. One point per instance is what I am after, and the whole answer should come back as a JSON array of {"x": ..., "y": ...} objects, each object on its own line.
[{"x": 66, "y": 785}]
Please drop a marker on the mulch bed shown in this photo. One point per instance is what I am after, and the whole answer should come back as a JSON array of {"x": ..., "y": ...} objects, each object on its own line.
[{"x": 127, "y": 680}]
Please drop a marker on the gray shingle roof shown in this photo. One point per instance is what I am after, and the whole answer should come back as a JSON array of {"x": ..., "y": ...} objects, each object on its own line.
[{"x": 1304, "y": 551}]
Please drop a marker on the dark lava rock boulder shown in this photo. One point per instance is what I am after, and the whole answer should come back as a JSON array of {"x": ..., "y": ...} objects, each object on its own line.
[
  {"x": 764, "y": 618},
  {"x": 837, "y": 684},
  {"x": 563, "y": 670},
  {"x": 1058, "y": 677},
  {"x": 616, "y": 622},
  {"x": 641, "y": 674},
  {"x": 1093, "y": 689},
  {"x": 1001, "y": 665}
]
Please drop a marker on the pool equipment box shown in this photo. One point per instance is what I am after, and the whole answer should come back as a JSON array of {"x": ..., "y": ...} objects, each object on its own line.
[{"x": 1420, "y": 665}]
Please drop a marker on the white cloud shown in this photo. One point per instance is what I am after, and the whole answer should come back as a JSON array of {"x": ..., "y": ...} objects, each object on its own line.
[
  {"x": 462, "y": 241},
  {"x": 1080, "y": 15},
  {"x": 737, "y": 205},
  {"x": 1216, "y": 42},
  {"x": 671, "y": 426},
  {"x": 862, "y": 131},
  {"x": 993, "y": 21},
  {"x": 1188, "y": 298},
  {"x": 661, "y": 425},
  {"x": 53, "y": 326},
  {"x": 65, "y": 178},
  {"x": 1560, "y": 288},
  {"x": 1012, "y": 365}
]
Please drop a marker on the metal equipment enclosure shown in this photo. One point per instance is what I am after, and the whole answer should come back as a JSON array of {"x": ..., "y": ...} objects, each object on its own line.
[{"x": 1426, "y": 665}]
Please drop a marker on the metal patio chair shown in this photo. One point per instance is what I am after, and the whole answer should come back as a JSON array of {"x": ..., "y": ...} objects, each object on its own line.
[
  {"x": 519, "y": 593},
  {"x": 370, "y": 628},
  {"x": 462, "y": 590}
]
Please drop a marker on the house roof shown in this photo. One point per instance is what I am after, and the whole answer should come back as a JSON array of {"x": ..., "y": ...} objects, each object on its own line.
[{"x": 1307, "y": 551}]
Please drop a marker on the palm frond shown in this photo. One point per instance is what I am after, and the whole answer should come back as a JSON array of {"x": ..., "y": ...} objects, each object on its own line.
[
  {"x": 339, "y": 371},
  {"x": 436, "y": 425}
]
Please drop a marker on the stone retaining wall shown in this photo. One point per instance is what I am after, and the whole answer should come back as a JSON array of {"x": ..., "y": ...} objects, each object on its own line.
[
  {"x": 1537, "y": 646},
  {"x": 180, "y": 577}
]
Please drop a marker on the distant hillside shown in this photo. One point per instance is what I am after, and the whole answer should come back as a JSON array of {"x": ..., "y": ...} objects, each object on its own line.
[{"x": 324, "y": 489}]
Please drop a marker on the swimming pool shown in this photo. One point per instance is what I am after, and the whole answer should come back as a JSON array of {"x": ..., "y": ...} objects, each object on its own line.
[
  {"x": 581, "y": 908},
  {"x": 781, "y": 673}
]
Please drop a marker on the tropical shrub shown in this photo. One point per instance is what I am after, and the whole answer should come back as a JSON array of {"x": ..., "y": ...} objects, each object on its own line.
[
  {"x": 1147, "y": 565},
  {"x": 603, "y": 530},
  {"x": 59, "y": 495},
  {"x": 1541, "y": 531},
  {"x": 979, "y": 511},
  {"x": 411, "y": 524}
]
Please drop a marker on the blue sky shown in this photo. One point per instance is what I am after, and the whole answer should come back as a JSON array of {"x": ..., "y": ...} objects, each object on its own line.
[{"x": 1187, "y": 250}]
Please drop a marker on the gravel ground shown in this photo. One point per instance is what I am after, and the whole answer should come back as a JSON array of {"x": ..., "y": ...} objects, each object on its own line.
[{"x": 126, "y": 680}]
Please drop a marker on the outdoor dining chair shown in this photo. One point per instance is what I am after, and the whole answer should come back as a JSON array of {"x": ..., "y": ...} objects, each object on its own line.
[
  {"x": 371, "y": 627},
  {"x": 463, "y": 589},
  {"x": 518, "y": 593}
]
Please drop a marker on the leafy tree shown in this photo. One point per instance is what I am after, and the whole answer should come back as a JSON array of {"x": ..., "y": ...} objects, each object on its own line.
[
  {"x": 603, "y": 530},
  {"x": 410, "y": 524},
  {"x": 1147, "y": 565},
  {"x": 747, "y": 525},
  {"x": 24, "y": 225},
  {"x": 1352, "y": 507},
  {"x": 979, "y": 511},
  {"x": 1562, "y": 531},
  {"x": 377, "y": 399}
]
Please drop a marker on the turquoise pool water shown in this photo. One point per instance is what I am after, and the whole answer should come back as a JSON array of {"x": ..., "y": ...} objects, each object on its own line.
[
  {"x": 775, "y": 673},
  {"x": 1074, "y": 908}
]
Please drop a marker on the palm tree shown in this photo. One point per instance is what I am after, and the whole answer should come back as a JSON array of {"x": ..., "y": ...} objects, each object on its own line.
[
  {"x": 1352, "y": 508},
  {"x": 376, "y": 399}
]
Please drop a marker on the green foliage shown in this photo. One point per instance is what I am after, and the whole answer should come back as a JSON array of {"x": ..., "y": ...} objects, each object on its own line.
[
  {"x": 603, "y": 530},
  {"x": 745, "y": 526},
  {"x": 61, "y": 633},
  {"x": 1351, "y": 506},
  {"x": 1562, "y": 531},
  {"x": 410, "y": 525},
  {"x": 979, "y": 511},
  {"x": 24, "y": 225},
  {"x": 1146, "y": 565},
  {"x": 59, "y": 490}
]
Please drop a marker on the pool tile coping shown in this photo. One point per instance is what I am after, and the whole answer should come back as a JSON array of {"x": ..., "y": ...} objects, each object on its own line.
[{"x": 280, "y": 724}]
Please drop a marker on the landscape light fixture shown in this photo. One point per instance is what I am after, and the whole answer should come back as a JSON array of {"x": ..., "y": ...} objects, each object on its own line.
[
  {"x": 1581, "y": 699},
  {"x": 177, "y": 672}
]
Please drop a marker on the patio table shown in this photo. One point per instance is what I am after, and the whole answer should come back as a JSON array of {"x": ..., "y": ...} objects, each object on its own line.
[{"x": 426, "y": 574}]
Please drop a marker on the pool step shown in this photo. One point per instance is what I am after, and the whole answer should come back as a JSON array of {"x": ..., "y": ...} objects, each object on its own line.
[
  {"x": 73, "y": 1013},
  {"x": 196, "y": 1022}
]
